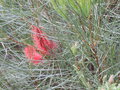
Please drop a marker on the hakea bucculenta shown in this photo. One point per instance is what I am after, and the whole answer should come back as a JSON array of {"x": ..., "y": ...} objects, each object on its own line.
[{"x": 42, "y": 46}]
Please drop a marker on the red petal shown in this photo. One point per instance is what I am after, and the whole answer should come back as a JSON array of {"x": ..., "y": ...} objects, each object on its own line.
[
  {"x": 41, "y": 41},
  {"x": 31, "y": 54}
]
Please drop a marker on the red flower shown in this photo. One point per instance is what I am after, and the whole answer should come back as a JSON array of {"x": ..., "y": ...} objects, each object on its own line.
[
  {"x": 31, "y": 54},
  {"x": 43, "y": 45},
  {"x": 41, "y": 41}
]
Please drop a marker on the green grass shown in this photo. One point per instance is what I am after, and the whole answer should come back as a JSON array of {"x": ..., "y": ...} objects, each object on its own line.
[{"x": 88, "y": 38}]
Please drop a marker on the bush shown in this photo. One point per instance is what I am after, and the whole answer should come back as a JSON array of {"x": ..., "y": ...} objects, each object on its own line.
[{"x": 87, "y": 37}]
